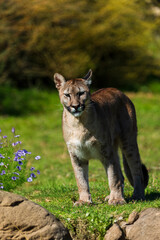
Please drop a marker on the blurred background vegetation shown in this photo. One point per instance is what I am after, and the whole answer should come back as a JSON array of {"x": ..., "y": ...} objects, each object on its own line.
[{"x": 119, "y": 40}]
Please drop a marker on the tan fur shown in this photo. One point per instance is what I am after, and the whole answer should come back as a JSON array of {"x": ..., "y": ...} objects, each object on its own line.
[{"x": 94, "y": 126}]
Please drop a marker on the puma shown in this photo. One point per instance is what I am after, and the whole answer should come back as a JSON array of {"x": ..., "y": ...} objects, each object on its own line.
[{"x": 94, "y": 127}]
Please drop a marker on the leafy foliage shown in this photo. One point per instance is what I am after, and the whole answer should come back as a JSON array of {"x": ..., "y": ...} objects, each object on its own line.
[
  {"x": 13, "y": 164},
  {"x": 118, "y": 40}
]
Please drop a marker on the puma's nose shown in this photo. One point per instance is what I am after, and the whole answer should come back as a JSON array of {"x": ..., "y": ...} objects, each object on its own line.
[{"x": 76, "y": 107}]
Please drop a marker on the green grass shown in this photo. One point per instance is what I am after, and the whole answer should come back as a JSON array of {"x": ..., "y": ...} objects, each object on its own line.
[{"x": 56, "y": 189}]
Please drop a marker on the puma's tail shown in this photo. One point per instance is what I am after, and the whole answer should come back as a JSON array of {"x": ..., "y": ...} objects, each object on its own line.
[
  {"x": 129, "y": 175},
  {"x": 145, "y": 175}
]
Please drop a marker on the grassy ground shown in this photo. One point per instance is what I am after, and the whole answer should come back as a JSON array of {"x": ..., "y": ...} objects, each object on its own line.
[{"x": 56, "y": 189}]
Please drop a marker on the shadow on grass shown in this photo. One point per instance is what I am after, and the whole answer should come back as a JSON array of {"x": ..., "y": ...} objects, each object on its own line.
[{"x": 152, "y": 196}]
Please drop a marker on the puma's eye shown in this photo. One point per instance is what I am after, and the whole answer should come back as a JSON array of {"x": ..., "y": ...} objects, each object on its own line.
[
  {"x": 80, "y": 93},
  {"x": 66, "y": 94}
]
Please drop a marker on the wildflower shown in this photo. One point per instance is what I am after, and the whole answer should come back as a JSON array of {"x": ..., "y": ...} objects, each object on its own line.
[
  {"x": 17, "y": 136},
  {"x": 0, "y": 130},
  {"x": 29, "y": 179},
  {"x": 16, "y": 158},
  {"x": 14, "y": 144},
  {"x": 25, "y": 150},
  {"x": 33, "y": 175},
  {"x": 15, "y": 178},
  {"x": 14, "y": 170},
  {"x": 3, "y": 172},
  {"x": 13, "y": 130},
  {"x": 19, "y": 168}
]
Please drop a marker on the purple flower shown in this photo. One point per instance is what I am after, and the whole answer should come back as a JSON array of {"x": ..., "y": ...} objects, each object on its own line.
[
  {"x": 38, "y": 172},
  {"x": 1, "y": 156},
  {"x": 15, "y": 178},
  {"x": 0, "y": 130},
  {"x": 33, "y": 175},
  {"x": 16, "y": 158},
  {"x": 20, "y": 162},
  {"x": 1, "y": 187},
  {"x": 29, "y": 179},
  {"x": 19, "y": 168},
  {"x": 16, "y": 173},
  {"x": 25, "y": 150},
  {"x": 4, "y": 136},
  {"x": 17, "y": 136},
  {"x": 1, "y": 164},
  {"x": 37, "y": 157},
  {"x": 32, "y": 168},
  {"x": 13, "y": 130},
  {"x": 14, "y": 144},
  {"x": 3, "y": 172}
]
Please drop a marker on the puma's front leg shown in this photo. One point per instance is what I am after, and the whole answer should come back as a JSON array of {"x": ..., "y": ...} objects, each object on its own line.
[{"x": 80, "y": 167}]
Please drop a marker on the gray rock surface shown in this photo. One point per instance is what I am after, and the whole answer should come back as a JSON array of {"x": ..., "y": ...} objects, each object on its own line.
[
  {"x": 23, "y": 219},
  {"x": 114, "y": 233},
  {"x": 142, "y": 226},
  {"x": 147, "y": 226}
]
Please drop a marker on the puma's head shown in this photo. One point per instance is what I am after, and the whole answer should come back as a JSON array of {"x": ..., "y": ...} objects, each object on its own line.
[{"x": 74, "y": 94}]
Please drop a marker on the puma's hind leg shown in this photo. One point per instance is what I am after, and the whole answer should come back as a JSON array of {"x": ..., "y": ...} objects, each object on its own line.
[
  {"x": 133, "y": 167},
  {"x": 115, "y": 179}
]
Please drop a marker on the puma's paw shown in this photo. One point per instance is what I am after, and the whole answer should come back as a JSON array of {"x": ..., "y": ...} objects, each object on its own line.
[
  {"x": 107, "y": 198},
  {"x": 113, "y": 201},
  {"x": 138, "y": 197},
  {"x": 81, "y": 202}
]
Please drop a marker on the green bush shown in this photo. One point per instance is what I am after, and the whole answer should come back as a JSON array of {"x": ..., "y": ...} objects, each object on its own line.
[
  {"x": 13, "y": 163},
  {"x": 24, "y": 101},
  {"x": 118, "y": 40}
]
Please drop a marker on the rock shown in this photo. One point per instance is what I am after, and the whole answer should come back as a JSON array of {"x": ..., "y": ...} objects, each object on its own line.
[
  {"x": 147, "y": 226},
  {"x": 114, "y": 233},
  {"x": 23, "y": 219},
  {"x": 133, "y": 217},
  {"x": 143, "y": 226}
]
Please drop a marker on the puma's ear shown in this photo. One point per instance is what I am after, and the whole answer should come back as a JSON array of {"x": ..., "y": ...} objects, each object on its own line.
[
  {"x": 59, "y": 80},
  {"x": 87, "y": 78}
]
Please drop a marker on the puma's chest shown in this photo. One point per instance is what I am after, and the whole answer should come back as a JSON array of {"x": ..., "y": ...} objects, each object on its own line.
[{"x": 84, "y": 147}]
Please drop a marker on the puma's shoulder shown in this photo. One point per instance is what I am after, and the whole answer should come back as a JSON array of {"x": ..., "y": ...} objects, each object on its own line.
[{"x": 108, "y": 96}]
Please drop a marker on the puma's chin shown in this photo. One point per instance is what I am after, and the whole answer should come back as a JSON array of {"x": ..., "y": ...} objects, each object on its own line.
[{"x": 77, "y": 114}]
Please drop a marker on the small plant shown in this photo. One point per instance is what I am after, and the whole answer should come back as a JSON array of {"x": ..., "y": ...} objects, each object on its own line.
[{"x": 13, "y": 163}]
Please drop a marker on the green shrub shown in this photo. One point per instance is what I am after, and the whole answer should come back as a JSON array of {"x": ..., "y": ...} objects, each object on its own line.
[
  {"x": 13, "y": 163},
  {"x": 118, "y": 40}
]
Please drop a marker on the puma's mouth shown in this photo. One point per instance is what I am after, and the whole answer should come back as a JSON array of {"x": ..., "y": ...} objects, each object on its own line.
[
  {"x": 76, "y": 111},
  {"x": 77, "y": 114}
]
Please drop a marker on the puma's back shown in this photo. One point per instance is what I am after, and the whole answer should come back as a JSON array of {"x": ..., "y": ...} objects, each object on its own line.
[{"x": 118, "y": 109}]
